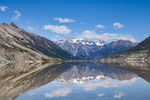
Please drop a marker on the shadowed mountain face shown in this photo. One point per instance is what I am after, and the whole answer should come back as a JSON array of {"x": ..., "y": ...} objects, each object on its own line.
[
  {"x": 139, "y": 54},
  {"x": 17, "y": 44},
  {"x": 83, "y": 48},
  {"x": 16, "y": 80}
]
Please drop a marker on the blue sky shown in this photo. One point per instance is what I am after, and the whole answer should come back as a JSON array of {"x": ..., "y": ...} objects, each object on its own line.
[{"x": 93, "y": 19}]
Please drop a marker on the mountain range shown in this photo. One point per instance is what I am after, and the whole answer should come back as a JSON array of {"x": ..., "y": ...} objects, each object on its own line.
[{"x": 84, "y": 48}]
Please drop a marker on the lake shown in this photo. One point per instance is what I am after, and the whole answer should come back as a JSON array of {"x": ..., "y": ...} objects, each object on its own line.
[{"x": 73, "y": 81}]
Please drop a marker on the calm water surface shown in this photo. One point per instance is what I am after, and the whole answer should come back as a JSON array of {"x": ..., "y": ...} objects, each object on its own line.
[{"x": 78, "y": 81}]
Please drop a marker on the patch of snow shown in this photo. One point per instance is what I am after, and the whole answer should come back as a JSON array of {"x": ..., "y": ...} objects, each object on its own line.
[{"x": 82, "y": 41}]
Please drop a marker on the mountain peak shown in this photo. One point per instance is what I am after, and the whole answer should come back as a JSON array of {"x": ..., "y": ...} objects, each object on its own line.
[{"x": 13, "y": 24}]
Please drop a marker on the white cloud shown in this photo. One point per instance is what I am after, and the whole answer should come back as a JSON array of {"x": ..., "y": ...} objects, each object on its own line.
[
  {"x": 117, "y": 25},
  {"x": 3, "y": 8},
  {"x": 57, "y": 36},
  {"x": 30, "y": 28},
  {"x": 107, "y": 84},
  {"x": 57, "y": 29},
  {"x": 145, "y": 34},
  {"x": 31, "y": 94},
  {"x": 118, "y": 94},
  {"x": 17, "y": 15},
  {"x": 64, "y": 20},
  {"x": 100, "y": 94},
  {"x": 100, "y": 26},
  {"x": 106, "y": 36},
  {"x": 91, "y": 86},
  {"x": 61, "y": 92},
  {"x": 128, "y": 82}
]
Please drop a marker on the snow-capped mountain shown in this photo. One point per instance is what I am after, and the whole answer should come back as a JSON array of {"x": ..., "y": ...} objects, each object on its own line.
[
  {"x": 82, "y": 41},
  {"x": 84, "y": 48},
  {"x": 80, "y": 47}
]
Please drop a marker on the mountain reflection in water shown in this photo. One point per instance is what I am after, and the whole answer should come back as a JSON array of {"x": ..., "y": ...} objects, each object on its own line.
[{"x": 72, "y": 81}]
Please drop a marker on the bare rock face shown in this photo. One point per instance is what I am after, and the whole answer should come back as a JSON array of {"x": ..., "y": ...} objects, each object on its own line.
[{"x": 17, "y": 45}]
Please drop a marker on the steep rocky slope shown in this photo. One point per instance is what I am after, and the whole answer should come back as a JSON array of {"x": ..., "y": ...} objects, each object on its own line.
[{"x": 19, "y": 45}]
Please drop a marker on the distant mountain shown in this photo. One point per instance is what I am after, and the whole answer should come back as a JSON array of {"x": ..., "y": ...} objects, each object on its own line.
[
  {"x": 115, "y": 47},
  {"x": 80, "y": 47},
  {"x": 84, "y": 48},
  {"x": 17, "y": 44},
  {"x": 139, "y": 53}
]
